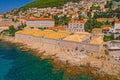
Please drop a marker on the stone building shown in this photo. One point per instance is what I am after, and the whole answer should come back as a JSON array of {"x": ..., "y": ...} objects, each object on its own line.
[
  {"x": 1, "y": 17},
  {"x": 4, "y": 27},
  {"x": 107, "y": 19},
  {"x": 114, "y": 49},
  {"x": 76, "y": 26},
  {"x": 96, "y": 32},
  {"x": 5, "y": 23},
  {"x": 22, "y": 20},
  {"x": 101, "y": 3},
  {"x": 40, "y": 22},
  {"x": 117, "y": 27},
  {"x": 97, "y": 36},
  {"x": 114, "y": 45}
]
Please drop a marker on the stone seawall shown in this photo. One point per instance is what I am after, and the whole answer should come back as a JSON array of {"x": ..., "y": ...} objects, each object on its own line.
[{"x": 54, "y": 45}]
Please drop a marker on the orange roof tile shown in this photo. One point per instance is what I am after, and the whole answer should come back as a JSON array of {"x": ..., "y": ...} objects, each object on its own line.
[
  {"x": 33, "y": 18},
  {"x": 81, "y": 21},
  {"x": 106, "y": 28},
  {"x": 73, "y": 13},
  {"x": 97, "y": 29},
  {"x": 5, "y": 25},
  {"x": 118, "y": 22}
]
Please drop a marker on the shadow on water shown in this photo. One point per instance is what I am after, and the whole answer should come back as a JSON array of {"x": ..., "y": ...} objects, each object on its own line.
[{"x": 25, "y": 66}]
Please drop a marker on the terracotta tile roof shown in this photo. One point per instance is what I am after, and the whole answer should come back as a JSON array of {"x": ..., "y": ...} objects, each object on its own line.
[
  {"x": 33, "y": 18},
  {"x": 73, "y": 21},
  {"x": 5, "y": 25},
  {"x": 106, "y": 28},
  {"x": 73, "y": 13},
  {"x": 97, "y": 29},
  {"x": 118, "y": 22}
]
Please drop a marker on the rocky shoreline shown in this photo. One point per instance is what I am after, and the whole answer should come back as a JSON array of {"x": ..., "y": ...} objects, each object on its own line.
[{"x": 69, "y": 68}]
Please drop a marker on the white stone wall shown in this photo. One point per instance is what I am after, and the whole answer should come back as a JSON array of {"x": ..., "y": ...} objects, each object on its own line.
[
  {"x": 117, "y": 28},
  {"x": 40, "y": 23},
  {"x": 76, "y": 46}
]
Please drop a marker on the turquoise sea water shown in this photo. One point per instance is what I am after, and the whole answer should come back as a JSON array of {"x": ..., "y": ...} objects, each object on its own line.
[{"x": 16, "y": 64}]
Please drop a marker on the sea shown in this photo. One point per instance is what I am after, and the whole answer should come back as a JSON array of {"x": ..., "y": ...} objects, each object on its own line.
[{"x": 16, "y": 64}]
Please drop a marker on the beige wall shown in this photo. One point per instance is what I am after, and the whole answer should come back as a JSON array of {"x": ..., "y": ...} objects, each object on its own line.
[
  {"x": 41, "y": 23},
  {"x": 53, "y": 45}
]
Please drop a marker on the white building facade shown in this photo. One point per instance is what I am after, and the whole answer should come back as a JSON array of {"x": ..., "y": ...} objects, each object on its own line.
[
  {"x": 40, "y": 22},
  {"x": 117, "y": 27},
  {"x": 76, "y": 26}
]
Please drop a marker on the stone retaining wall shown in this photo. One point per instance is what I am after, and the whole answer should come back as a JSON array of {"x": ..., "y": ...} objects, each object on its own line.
[{"x": 54, "y": 45}]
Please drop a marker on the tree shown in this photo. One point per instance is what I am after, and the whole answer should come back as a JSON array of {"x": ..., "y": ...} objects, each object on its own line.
[
  {"x": 47, "y": 3},
  {"x": 21, "y": 26},
  {"x": 88, "y": 27},
  {"x": 108, "y": 38},
  {"x": 62, "y": 20},
  {"x": 109, "y": 4},
  {"x": 92, "y": 23},
  {"x": 12, "y": 30},
  {"x": 95, "y": 7},
  {"x": 118, "y": 38}
]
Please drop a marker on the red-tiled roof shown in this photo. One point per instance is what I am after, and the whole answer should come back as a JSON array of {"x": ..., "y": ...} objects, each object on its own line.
[
  {"x": 106, "y": 28},
  {"x": 94, "y": 29},
  {"x": 5, "y": 25},
  {"x": 73, "y": 13},
  {"x": 33, "y": 18},
  {"x": 118, "y": 22},
  {"x": 81, "y": 21}
]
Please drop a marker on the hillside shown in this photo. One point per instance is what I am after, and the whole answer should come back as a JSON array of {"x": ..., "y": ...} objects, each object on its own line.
[{"x": 47, "y": 3}]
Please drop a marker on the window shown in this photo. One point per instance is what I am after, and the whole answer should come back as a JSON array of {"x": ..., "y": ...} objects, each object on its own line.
[
  {"x": 76, "y": 48},
  {"x": 67, "y": 50}
]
